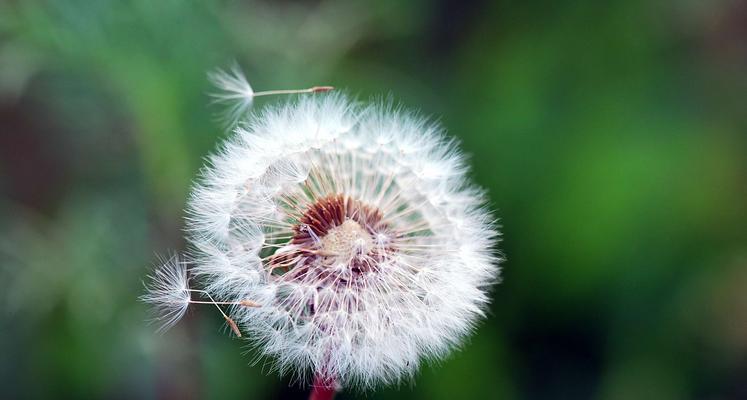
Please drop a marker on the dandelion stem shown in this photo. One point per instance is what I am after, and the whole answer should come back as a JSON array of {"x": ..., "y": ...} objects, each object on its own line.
[{"x": 322, "y": 389}]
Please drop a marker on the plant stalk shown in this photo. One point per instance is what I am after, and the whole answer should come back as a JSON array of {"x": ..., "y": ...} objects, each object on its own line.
[{"x": 322, "y": 389}]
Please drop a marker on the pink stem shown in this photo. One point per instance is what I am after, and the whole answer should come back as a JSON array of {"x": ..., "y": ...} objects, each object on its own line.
[{"x": 322, "y": 389}]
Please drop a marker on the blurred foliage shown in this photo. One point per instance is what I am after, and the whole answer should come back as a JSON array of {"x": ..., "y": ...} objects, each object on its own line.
[{"x": 612, "y": 137}]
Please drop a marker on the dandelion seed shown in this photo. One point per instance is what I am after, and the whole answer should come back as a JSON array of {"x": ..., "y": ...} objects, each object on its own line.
[
  {"x": 170, "y": 296},
  {"x": 237, "y": 93},
  {"x": 232, "y": 324},
  {"x": 249, "y": 303}
]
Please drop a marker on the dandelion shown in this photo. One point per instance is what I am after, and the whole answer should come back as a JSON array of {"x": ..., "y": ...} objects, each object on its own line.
[{"x": 356, "y": 231}]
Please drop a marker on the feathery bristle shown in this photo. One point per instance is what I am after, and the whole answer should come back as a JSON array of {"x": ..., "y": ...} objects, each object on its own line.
[{"x": 168, "y": 292}]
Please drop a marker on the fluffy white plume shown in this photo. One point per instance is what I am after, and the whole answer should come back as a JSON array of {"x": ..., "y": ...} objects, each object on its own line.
[
  {"x": 168, "y": 292},
  {"x": 234, "y": 91},
  {"x": 354, "y": 227}
]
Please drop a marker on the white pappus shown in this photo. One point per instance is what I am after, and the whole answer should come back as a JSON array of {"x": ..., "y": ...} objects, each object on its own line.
[
  {"x": 345, "y": 238},
  {"x": 168, "y": 291}
]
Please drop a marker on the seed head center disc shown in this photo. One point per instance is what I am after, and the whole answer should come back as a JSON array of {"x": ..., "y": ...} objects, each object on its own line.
[
  {"x": 346, "y": 240},
  {"x": 336, "y": 231}
]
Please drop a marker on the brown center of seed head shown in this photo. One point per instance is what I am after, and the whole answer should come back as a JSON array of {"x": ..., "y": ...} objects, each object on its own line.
[
  {"x": 336, "y": 230},
  {"x": 341, "y": 216}
]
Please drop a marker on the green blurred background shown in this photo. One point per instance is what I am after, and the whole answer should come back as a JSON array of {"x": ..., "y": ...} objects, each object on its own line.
[{"x": 612, "y": 137}]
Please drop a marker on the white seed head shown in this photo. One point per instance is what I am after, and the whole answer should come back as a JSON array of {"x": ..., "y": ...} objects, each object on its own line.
[
  {"x": 355, "y": 228},
  {"x": 168, "y": 292}
]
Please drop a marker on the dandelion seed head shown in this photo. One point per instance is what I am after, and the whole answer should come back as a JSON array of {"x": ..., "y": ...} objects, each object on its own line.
[{"x": 356, "y": 229}]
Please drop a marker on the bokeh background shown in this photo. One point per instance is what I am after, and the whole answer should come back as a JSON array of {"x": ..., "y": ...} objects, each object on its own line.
[{"x": 612, "y": 137}]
